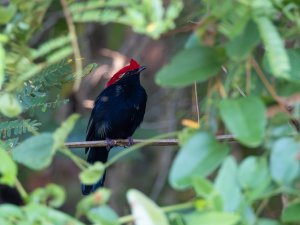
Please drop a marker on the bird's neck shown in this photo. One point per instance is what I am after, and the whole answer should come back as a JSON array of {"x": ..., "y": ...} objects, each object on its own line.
[{"x": 130, "y": 80}]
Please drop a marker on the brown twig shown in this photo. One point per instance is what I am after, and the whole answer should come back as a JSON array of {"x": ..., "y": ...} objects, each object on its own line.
[
  {"x": 74, "y": 41},
  {"x": 268, "y": 86},
  {"x": 284, "y": 106},
  {"x": 123, "y": 142}
]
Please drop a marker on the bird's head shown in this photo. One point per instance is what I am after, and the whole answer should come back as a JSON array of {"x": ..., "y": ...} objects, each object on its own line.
[{"x": 132, "y": 69}]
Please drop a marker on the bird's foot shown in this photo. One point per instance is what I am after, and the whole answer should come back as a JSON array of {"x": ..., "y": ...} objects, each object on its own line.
[
  {"x": 130, "y": 141},
  {"x": 109, "y": 143}
]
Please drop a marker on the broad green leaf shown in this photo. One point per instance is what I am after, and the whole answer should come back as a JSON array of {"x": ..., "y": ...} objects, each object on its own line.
[
  {"x": 7, "y": 13},
  {"x": 35, "y": 152},
  {"x": 227, "y": 184},
  {"x": 9, "y": 105},
  {"x": 193, "y": 41},
  {"x": 264, "y": 221},
  {"x": 99, "y": 197},
  {"x": 291, "y": 213},
  {"x": 52, "y": 195},
  {"x": 191, "y": 65},
  {"x": 103, "y": 215},
  {"x": 61, "y": 133},
  {"x": 284, "y": 164},
  {"x": 212, "y": 218},
  {"x": 254, "y": 173},
  {"x": 294, "y": 57},
  {"x": 197, "y": 158},
  {"x": 8, "y": 169},
  {"x": 185, "y": 135},
  {"x": 240, "y": 47},
  {"x": 10, "y": 212},
  {"x": 245, "y": 118},
  {"x": 40, "y": 214},
  {"x": 92, "y": 174},
  {"x": 144, "y": 210},
  {"x": 274, "y": 46}
]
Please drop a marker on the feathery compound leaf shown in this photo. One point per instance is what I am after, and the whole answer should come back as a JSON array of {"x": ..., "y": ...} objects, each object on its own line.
[
  {"x": 53, "y": 74},
  {"x": 148, "y": 17},
  {"x": 17, "y": 127},
  {"x": 274, "y": 46},
  {"x": 51, "y": 45}
]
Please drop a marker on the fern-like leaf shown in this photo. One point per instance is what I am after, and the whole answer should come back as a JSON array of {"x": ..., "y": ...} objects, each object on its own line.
[
  {"x": 17, "y": 127},
  {"x": 274, "y": 46}
]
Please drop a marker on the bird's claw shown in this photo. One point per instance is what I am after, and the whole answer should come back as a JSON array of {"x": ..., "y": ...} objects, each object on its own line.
[
  {"x": 130, "y": 141},
  {"x": 109, "y": 143}
]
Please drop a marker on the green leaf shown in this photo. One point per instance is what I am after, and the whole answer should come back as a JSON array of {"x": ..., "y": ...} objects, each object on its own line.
[
  {"x": 193, "y": 41},
  {"x": 240, "y": 47},
  {"x": 92, "y": 174},
  {"x": 294, "y": 57},
  {"x": 10, "y": 106},
  {"x": 99, "y": 197},
  {"x": 7, "y": 13},
  {"x": 144, "y": 210},
  {"x": 103, "y": 215},
  {"x": 2, "y": 64},
  {"x": 61, "y": 134},
  {"x": 291, "y": 213},
  {"x": 254, "y": 173},
  {"x": 212, "y": 218},
  {"x": 40, "y": 214},
  {"x": 52, "y": 195},
  {"x": 205, "y": 189},
  {"x": 227, "y": 184},
  {"x": 284, "y": 164},
  {"x": 264, "y": 221},
  {"x": 198, "y": 157},
  {"x": 35, "y": 152},
  {"x": 190, "y": 65},
  {"x": 274, "y": 47},
  {"x": 245, "y": 118},
  {"x": 10, "y": 212},
  {"x": 8, "y": 169}
]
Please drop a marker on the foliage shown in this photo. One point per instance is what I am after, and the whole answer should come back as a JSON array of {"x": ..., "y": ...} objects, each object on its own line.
[{"x": 245, "y": 50}]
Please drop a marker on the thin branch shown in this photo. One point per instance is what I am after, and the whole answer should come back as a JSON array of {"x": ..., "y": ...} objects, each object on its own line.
[
  {"x": 123, "y": 142},
  {"x": 268, "y": 86},
  {"x": 74, "y": 41},
  {"x": 197, "y": 103}
]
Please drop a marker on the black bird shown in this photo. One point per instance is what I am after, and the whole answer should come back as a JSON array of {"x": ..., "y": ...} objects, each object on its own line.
[{"x": 118, "y": 111}]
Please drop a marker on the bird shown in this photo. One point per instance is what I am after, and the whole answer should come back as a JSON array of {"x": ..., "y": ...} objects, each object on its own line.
[{"x": 118, "y": 111}]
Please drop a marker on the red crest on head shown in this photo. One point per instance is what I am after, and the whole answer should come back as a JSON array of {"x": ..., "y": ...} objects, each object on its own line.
[{"x": 133, "y": 65}]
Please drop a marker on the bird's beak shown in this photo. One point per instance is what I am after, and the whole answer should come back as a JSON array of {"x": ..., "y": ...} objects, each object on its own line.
[{"x": 141, "y": 69}]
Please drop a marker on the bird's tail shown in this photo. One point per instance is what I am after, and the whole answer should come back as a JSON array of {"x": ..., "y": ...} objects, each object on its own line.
[{"x": 94, "y": 155}]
